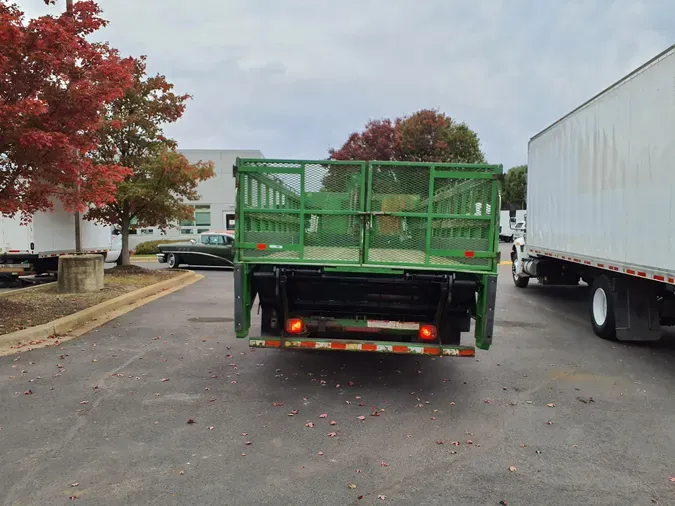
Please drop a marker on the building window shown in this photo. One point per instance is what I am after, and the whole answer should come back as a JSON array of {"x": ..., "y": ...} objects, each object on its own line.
[
  {"x": 147, "y": 231},
  {"x": 201, "y": 220}
]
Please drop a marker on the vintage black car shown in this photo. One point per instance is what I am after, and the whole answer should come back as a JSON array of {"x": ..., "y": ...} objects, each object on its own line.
[{"x": 211, "y": 249}]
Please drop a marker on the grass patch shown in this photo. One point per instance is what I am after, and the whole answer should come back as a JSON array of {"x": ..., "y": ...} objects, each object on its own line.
[{"x": 44, "y": 304}]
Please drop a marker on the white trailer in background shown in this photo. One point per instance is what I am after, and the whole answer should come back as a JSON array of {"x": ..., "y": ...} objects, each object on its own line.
[
  {"x": 601, "y": 204},
  {"x": 35, "y": 247}
]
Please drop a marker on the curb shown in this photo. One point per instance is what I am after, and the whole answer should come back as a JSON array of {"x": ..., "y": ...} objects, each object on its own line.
[{"x": 94, "y": 316}]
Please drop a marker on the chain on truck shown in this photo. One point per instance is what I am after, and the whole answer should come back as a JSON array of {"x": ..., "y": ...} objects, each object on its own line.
[{"x": 390, "y": 257}]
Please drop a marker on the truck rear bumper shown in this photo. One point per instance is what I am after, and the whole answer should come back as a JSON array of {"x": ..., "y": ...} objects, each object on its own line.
[{"x": 364, "y": 346}]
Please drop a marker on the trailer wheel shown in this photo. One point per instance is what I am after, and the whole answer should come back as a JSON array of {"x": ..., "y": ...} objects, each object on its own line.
[
  {"x": 601, "y": 306},
  {"x": 172, "y": 261},
  {"x": 519, "y": 281}
]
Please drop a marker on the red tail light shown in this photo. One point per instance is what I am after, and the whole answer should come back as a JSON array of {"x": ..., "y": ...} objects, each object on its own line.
[
  {"x": 428, "y": 332},
  {"x": 295, "y": 326}
]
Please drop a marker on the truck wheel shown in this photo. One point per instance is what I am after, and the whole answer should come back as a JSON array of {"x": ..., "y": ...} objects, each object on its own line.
[
  {"x": 172, "y": 261},
  {"x": 519, "y": 281},
  {"x": 601, "y": 307}
]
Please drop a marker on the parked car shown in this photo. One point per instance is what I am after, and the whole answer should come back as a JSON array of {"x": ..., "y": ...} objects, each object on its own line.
[{"x": 211, "y": 249}]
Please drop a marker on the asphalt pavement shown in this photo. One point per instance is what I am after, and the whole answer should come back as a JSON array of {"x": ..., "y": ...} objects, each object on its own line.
[{"x": 551, "y": 415}]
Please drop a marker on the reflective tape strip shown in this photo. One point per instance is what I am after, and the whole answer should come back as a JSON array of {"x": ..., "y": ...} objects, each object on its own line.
[
  {"x": 344, "y": 345},
  {"x": 656, "y": 276}
]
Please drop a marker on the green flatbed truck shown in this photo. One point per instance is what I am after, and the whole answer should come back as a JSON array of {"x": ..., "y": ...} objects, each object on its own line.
[{"x": 392, "y": 257}]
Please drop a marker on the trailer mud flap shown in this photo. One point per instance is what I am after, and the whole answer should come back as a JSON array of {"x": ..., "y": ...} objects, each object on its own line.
[
  {"x": 242, "y": 310},
  {"x": 486, "y": 321},
  {"x": 363, "y": 346}
]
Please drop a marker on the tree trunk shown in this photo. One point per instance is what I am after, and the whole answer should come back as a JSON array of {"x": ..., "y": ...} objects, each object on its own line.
[{"x": 126, "y": 260}]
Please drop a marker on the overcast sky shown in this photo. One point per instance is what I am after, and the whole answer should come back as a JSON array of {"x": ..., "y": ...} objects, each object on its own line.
[{"x": 294, "y": 77}]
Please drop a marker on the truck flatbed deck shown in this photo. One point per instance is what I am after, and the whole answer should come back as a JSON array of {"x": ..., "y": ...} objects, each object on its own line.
[{"x": 380, "y": 256}]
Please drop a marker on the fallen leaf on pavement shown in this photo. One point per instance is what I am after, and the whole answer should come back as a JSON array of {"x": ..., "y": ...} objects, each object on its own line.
[
  {"x": 244, "y": 433},
  {"x": 181, "y": 472},
  {"x": 361, "y": 417},
  {"x": 333, "y": 422},
  {"x": 672, "y": 478},
  {"x": 243, "y": 455},
  {"x": 277, "y": 404},
  {"x": 439, "y": 442},
  {"x": 84, "y": 402},
  {"x": 487, "y": 401},
  {"x": 469, "y": 442},
  {"x": 248, "y": 443},
  {"x": 234, "y": 382},
  {"x": 323, "y": 415},
  {"x": 321, "y": 453},
  {"x": 551, "y": 405},
  {"x": 309, "y": 424},
  {"x": 210, "y": 427},
  {"x": 293, "y": 412},
  {"x": 384, "y": 464},
  {"x": 191, "y": 420},
  {"x": 513, "y": 469},
  {"x": 74, "y": 484},
  {"x": 455, "y": 443},
  {"x": 381, "y": 497},
  {"x": 375, "y": 413},
  {"x": 332, "y": 434},
  {"x": 352, "y": 486},
  {"x": 358, "y": 470},
  {"x": 549, "y": 422},
  {"x": 164, "y": 380},
  {"x": 28, "y": 392}
]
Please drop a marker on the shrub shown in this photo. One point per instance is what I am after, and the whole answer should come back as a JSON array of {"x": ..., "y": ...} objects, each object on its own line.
[{"x": 150, "y": 247}]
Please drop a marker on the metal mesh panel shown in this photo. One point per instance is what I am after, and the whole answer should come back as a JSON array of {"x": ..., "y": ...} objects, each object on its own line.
[
  {"x": 327, "y": 211},
  {"x": 400, "y": 234},
  {"x": 271, "y": 209},
  {"x": 333, "y": 201}
]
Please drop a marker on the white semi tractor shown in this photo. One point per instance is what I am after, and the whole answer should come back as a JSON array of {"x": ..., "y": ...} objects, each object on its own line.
[
  {"x": 601, "y": 204},
  {"x": 35, "y": 247}
]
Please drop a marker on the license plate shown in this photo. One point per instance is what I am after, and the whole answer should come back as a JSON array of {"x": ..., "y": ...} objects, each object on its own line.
[{"x": 394, "y": 325}]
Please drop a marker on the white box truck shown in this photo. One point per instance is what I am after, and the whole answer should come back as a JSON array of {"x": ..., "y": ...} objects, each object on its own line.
[
  {"x": 601, "y": 204},
  {"x": 35, "y": 247}
]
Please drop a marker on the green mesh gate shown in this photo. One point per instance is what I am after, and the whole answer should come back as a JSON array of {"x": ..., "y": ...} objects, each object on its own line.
[
  {"x": 435, "y": 215},
  {"x": 418, "y": 215}
]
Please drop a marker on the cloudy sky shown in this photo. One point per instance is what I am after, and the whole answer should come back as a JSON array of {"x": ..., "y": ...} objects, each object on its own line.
[{"x": 294, "y": 77}]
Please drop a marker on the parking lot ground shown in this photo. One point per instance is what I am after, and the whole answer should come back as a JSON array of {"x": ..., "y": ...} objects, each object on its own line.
[{"x": 550, "y": 415}]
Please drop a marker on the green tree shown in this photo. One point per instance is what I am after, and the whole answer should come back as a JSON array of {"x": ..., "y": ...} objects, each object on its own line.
[
  {"x": 514, "y": 191},
  {"x": 161, "y": 179},
  {"x": 425, "y": 136}
]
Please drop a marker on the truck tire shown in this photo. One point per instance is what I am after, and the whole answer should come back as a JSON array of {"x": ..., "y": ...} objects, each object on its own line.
[
  {"x": 601, "y": 308},
  {"x": 172, "y": 261},
  {"x": 519, "y": 281}
]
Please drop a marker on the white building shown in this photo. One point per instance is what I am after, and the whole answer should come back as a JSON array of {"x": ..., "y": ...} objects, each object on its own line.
[{"x": 215, "y": 208}]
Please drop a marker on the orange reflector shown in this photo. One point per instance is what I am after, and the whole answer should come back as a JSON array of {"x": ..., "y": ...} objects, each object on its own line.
[
  {"x": 428, "y": 332},
  {"x": 467, "y": 352},
  {"x": 469, "y": 254},
  {"x": 295, "y": 326},
  {"x": 262, "y": 246}
]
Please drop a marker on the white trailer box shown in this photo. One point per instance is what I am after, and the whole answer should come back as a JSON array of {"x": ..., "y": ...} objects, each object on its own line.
[
  {"x": 601, "y": 181},
  {"x": 601, "y": 204},
  {"x": 49, "y": 235}
]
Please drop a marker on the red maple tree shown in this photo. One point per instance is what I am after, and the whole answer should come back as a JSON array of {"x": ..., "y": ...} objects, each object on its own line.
[
  {"x": 54, "y": 85},
  {"x": 425, "y": 136}
]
